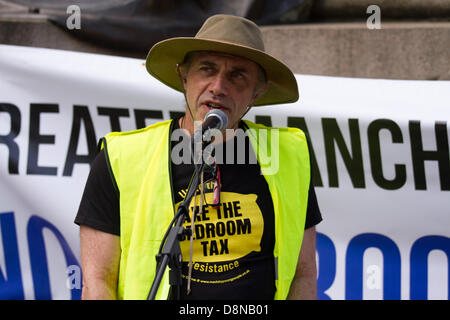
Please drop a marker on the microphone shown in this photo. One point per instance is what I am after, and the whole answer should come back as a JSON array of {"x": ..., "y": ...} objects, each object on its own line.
[{"x": 215, "y": 119}]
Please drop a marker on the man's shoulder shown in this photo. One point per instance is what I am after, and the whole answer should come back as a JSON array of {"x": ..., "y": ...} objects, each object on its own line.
[
  {"x": 140, "y": 138},
  {"x": 125, "y": 136},
  {"x": 285, "y": 130},
  {"x": 162, "y": 125}
]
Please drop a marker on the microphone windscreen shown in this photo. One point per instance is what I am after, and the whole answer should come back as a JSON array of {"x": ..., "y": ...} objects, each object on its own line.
[{"x": 221, "y": 117}]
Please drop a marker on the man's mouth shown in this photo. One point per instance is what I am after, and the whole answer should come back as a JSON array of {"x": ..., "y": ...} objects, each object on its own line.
[{"x": 211, "y": 105}]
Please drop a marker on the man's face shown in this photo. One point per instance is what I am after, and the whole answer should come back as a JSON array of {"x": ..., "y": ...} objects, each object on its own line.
[{"x": 221, "y": 81}]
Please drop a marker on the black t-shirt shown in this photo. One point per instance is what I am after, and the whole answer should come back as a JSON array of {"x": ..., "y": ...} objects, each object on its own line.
[{"x": 233, "y": 242}]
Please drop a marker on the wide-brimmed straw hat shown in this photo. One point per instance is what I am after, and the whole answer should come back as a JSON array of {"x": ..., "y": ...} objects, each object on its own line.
[{"x": 231, "y": 35}]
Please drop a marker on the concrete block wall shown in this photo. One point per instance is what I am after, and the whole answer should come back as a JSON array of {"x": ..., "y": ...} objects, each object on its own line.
[
  {"x": 413, "y": 42},
  {"x": 390, "y": 9},
  {"x": 399, "y": 50}
]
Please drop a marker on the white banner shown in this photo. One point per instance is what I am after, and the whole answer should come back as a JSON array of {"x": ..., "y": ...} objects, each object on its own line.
[{"x": 380, "y": 160}]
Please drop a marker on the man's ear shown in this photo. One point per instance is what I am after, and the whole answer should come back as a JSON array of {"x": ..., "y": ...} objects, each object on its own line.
[
  {"x": 259, "y": 91},
  {"x": 181, "y": 72}
]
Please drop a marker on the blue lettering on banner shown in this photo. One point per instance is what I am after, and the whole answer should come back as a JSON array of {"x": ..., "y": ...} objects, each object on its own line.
[
  {"x": 392, "y": 265},
  {"x": 11, "y": 286},
  {"x": 327, "y": 265},
  {"x": 419, "y": 264},
  {"x": 38, "y": 257},
  {"x": 354, "y": 266}
]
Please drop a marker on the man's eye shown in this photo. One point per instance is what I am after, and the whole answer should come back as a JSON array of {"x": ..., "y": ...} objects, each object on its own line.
[{"x": 237, "y": 75}]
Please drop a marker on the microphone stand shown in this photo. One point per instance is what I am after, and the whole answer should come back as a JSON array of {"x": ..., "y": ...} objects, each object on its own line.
[{"x": 170, "y": 251}]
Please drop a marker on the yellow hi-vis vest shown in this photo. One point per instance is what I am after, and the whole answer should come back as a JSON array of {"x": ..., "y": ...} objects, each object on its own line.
[{"x": 141, "y": 171}]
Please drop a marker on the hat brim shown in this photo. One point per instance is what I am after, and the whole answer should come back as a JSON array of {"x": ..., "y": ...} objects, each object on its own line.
[{"x": 164, "y": 56}]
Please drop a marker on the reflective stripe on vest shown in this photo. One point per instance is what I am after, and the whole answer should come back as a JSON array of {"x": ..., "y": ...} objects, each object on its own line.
[{"x": 140, "y": 167}]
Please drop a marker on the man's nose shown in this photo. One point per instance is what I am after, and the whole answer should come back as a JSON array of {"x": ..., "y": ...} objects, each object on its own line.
[{"x": 218, "y": 85}]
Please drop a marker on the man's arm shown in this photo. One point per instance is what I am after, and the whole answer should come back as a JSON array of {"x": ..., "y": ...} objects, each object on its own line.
[
  {"x": 304, "y": 285},
  {"x": 100, "y": 257}
]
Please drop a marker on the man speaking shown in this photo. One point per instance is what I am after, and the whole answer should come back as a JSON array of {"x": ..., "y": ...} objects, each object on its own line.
[{"x": 252, "y": 233}]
